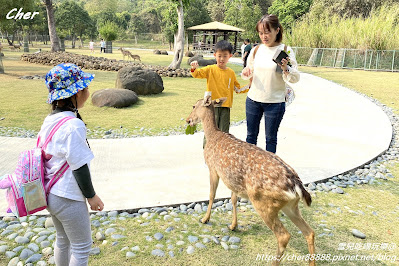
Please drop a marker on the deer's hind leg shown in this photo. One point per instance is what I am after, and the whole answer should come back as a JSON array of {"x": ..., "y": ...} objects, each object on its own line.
[
  {"x": 214, "y": 182},
  {"x": 234, "y": 202},
  {"x": 293, "y": 212},
  {"x": 268, "y": 210}
]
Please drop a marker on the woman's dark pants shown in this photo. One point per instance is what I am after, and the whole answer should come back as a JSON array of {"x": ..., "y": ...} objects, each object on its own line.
[{"x": 273, "y": 113}]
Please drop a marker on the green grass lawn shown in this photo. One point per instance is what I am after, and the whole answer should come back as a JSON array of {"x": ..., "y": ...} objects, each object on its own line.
[
  {"x": 23, "y": 101},
  {"x": 329, "y": 214}
]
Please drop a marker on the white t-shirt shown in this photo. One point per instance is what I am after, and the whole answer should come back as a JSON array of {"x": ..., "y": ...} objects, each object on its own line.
[
  {"x": 268, "y": 85},
  {"x": 68, "y": 144},
  {"x": 242, "y": 50}
]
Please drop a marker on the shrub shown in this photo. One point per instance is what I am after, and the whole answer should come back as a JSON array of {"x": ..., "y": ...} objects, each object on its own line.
[
  {"x": 378, "y": 31},
  {"x": 109, "y": 31}
]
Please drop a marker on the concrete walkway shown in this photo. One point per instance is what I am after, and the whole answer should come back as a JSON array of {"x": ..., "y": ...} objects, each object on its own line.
[{"x": 326, "y": 131}]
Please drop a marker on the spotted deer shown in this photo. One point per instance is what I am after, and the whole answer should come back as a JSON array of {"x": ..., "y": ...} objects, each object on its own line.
[
  {"x": 250, "y": 172},
  {"x": 129, "y": 54}
]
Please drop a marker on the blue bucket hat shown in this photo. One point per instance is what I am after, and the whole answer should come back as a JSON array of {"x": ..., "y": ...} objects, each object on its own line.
[{"x": 65, "y": 80}]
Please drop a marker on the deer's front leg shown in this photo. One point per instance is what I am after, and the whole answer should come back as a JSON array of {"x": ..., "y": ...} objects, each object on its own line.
[
  {"x": 234, "y": 202},
  {"x": 214, "y": 182}
]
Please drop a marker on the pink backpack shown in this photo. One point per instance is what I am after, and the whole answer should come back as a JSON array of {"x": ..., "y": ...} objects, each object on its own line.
[{"x": 27, "y": 188}]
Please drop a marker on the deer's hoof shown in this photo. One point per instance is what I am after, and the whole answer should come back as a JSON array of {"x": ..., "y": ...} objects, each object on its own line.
[
  {"x": 203, "y": 222},
  {"x": 232, "y": 228}
]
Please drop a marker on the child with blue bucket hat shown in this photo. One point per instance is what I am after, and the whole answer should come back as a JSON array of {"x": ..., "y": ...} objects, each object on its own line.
[{"x": 68, "y": 91}]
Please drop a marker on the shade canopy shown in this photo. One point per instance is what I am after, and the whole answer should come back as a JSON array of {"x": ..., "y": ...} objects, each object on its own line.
[{"x": 215, "y": 26}]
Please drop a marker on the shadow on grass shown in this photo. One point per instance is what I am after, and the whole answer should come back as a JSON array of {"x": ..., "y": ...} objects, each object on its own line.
[{"x": 159, "y": 95}]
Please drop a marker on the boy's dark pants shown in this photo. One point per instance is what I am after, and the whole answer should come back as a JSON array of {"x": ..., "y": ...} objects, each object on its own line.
[{"x": 222, "y": 116}]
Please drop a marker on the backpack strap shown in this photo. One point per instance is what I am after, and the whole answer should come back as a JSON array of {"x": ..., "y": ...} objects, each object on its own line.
[
  {"x": 253, "y": 58},
  {"x": 52, "y": 132},
  {"x": 56, "y": 177},
  {"x": 256, "y": 49},
  {"x": 65, "y": 166}
]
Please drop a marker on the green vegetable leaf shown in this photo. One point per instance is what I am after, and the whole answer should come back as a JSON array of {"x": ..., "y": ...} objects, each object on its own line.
[{"x": 190, "y": 129}]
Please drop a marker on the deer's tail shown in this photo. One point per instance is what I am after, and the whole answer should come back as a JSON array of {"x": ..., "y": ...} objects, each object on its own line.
[{"x": 306, "y": 198}]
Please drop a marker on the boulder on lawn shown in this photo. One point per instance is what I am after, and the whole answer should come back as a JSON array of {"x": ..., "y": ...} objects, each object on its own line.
[
  {"x": 195, "y": 58},
  {"x": 141, "y": 81},
  {"x": 189, "y": 54},
  {"x": 201, "y": 60},
  {"x": 117, "y": 98},
  {"x": 205, "y": 62}
]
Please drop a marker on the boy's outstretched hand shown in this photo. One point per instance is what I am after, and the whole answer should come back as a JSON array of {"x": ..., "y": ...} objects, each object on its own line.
[{"x": 194, "y": 64}]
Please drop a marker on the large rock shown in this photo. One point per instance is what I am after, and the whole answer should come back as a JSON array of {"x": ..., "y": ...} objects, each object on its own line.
[
  {"x": 141, "y": 81},
  {"x": 117, "y": 98},
  {"x": 201, "y": 60},
  {"x": 204, "y": 62},
  {"x": 195, "y": 58},
  {"x": 189, "y": 54}
]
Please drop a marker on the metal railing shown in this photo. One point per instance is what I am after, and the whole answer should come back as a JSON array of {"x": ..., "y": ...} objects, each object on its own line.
[{"x": 381, "y": 60}]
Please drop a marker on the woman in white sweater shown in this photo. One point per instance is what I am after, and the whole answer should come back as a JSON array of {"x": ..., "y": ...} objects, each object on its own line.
[{"x": 267, "y": 93}]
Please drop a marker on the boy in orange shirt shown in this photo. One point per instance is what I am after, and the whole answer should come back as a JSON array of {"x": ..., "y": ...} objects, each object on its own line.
[{"x": 221, "y": 82}]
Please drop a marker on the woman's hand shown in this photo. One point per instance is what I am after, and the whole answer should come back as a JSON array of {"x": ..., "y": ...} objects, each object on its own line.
[
  {"x": 246, "y": 72},
  {"x": 96, "y": 203},
  {"x": 284, "y": 64}
]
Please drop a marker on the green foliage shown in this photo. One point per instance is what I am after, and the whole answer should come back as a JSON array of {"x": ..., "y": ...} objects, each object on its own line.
[
  {"x": 264, "y": 5},
  {"x": 216, "y": 10},
  {"x": 232, "y": 16},
  {"x": 123, "y": 19},
  {"x": 378, "y": 31},
  {"x": 11, "y": 25},
  {"x": 289, "y": 10},
  {"x": 126, "y": 5},
  {"x": 106, "y": 15},
  {"x": 137, "y": 24},
  {"x": 94, "y": 7},
  {"x": 196, "y": 14},
  {"x": 249, "y": 18},
  {"x": 39, "y": 24},
  {"x": 148, "y": 17},
  {"x": 73, "y": 19},
  {"x": 348, "y": 8},
  {"x": 109, "y": 31},
  {"x": 243, "y": 14},
  {"x": 169, "y": 22}
]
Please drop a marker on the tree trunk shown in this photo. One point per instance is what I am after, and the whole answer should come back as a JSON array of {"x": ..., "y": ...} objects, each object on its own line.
[
  {"x": 55, "y": 44},
  {"x": 1, "y": 66},
  {"x": 73, "y": 41},
  {"x": 8, "y": 40},
  {"x": 179, "y": 41}
]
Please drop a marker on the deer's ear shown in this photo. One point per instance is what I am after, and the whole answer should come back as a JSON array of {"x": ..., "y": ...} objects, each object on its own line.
[
  {"x": 207, "y": 100},
  {"x": 219, "y": 102}
]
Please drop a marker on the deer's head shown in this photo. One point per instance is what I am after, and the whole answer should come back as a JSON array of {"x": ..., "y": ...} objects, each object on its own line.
[{"x": 199, "y": 109}]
